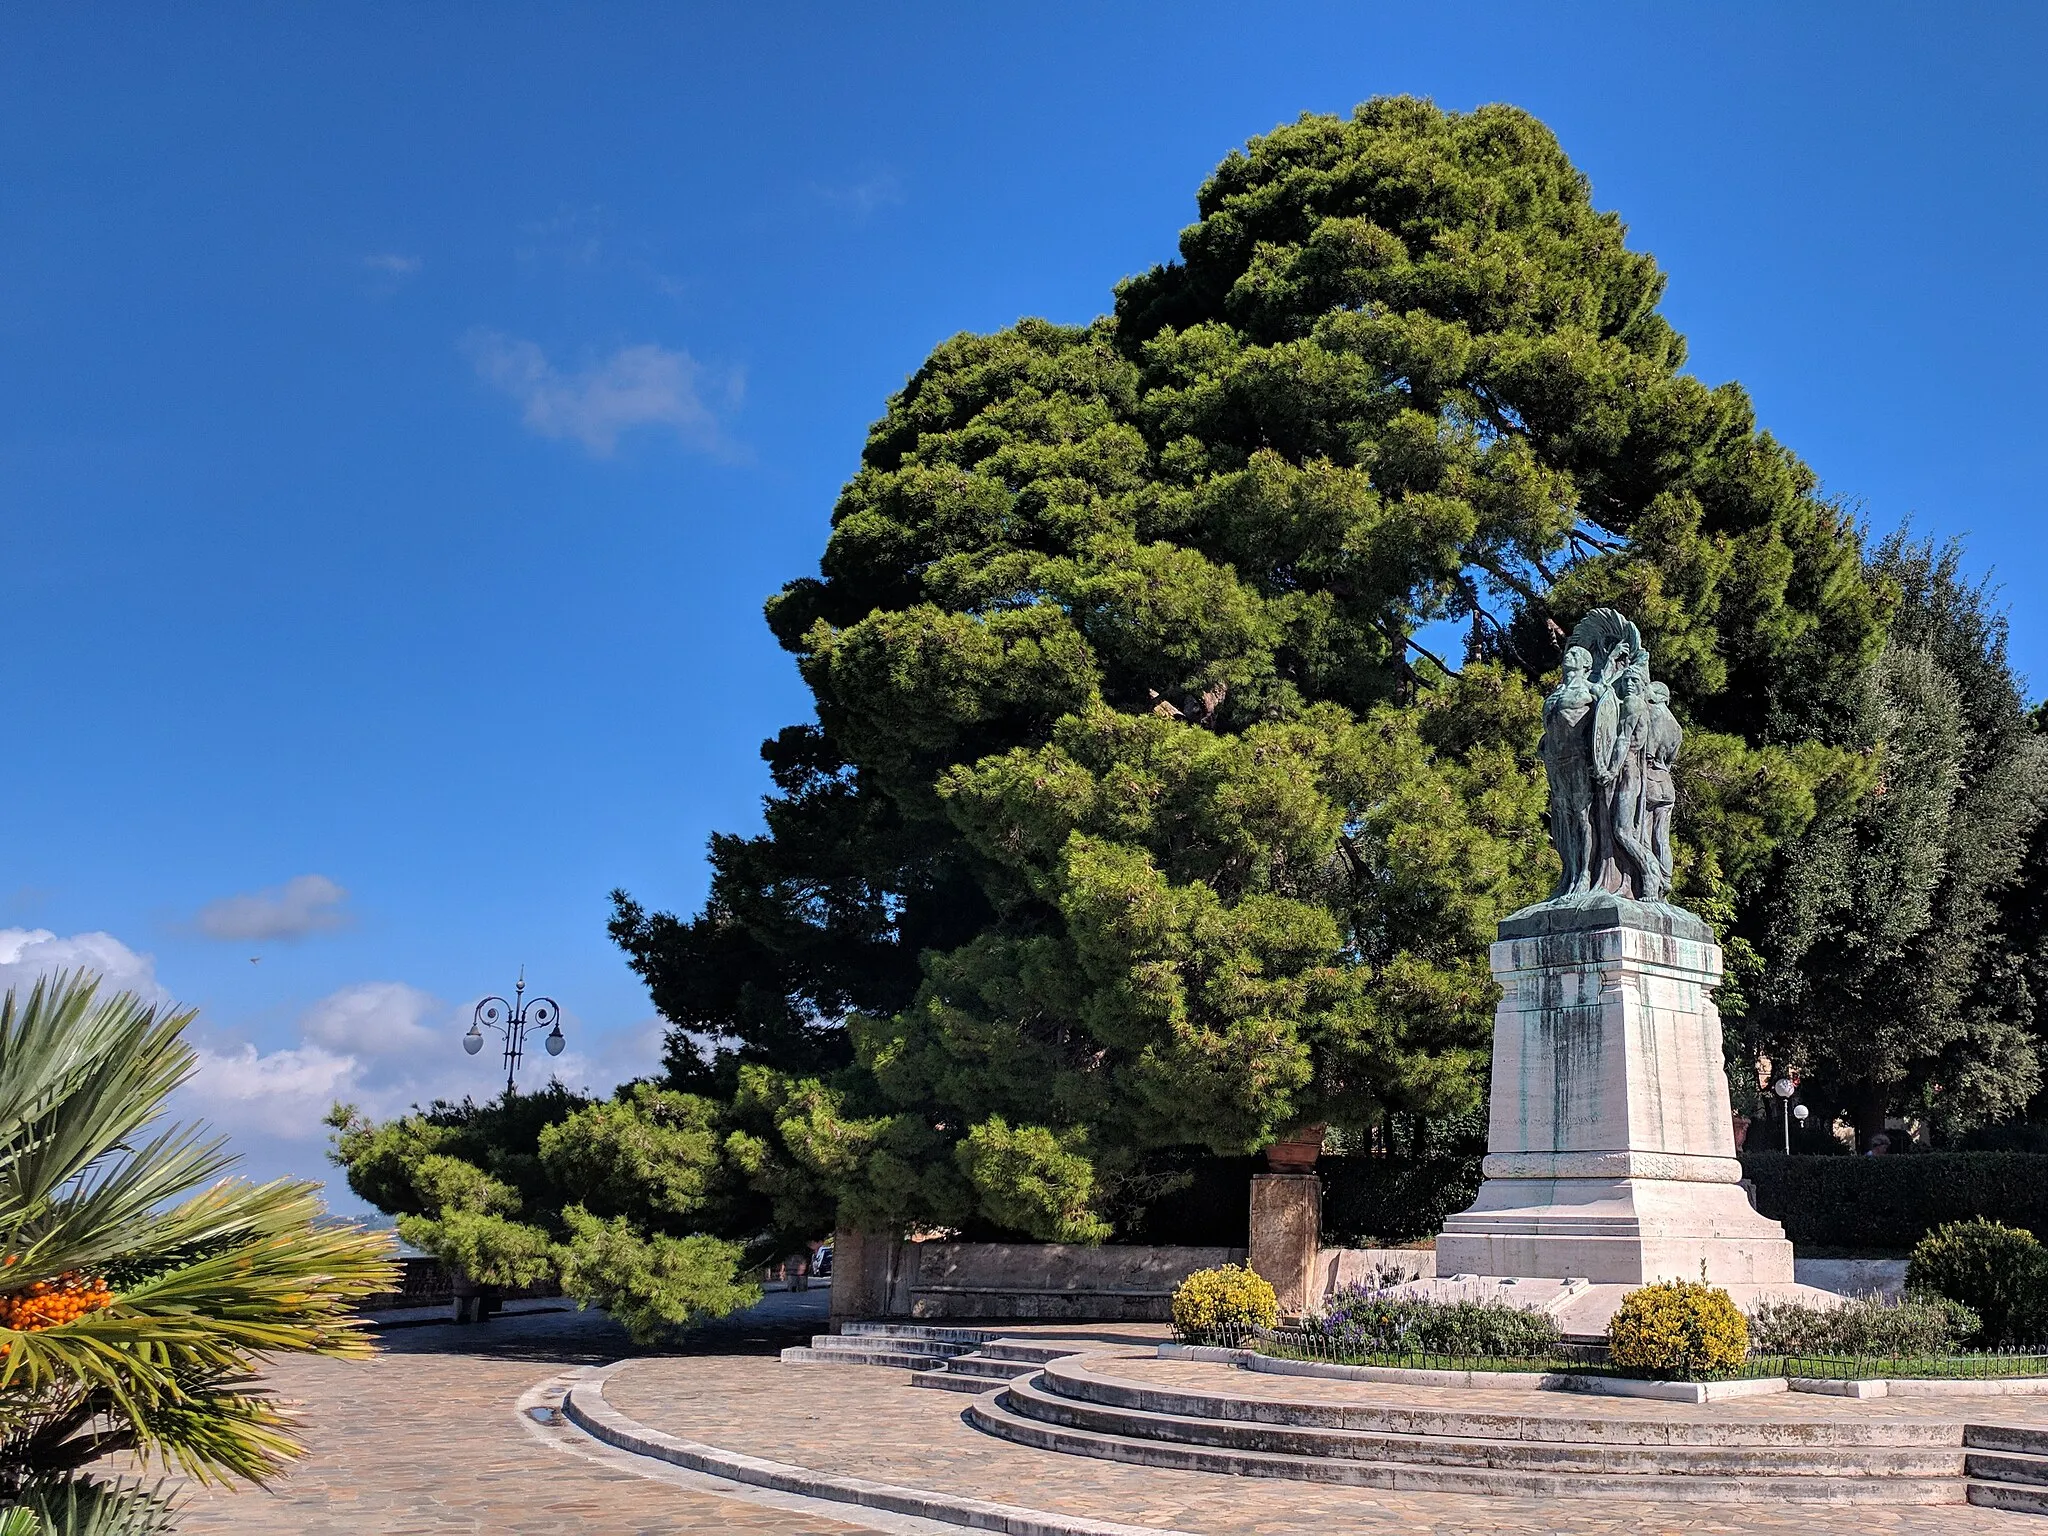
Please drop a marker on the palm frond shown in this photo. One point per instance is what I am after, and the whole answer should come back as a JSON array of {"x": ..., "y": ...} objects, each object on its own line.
[{"x": 213, "y": 1274}]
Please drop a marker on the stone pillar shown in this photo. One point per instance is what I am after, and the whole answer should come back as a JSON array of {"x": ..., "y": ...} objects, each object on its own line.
[
  {"x": 1610, "y": 1146},
  {"x": 1286, "y": 1235},
  {"x": 864, "y": 1266}
]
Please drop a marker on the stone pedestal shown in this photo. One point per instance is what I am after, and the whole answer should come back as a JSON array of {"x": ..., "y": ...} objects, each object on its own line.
[
  {"x": 1610, "y": 1146},
  {"x": 1286, "y": 1236},
  {"x": 864, "y": 1274}
]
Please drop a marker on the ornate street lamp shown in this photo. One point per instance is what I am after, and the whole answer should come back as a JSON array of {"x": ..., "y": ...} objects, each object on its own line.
[
  {"x": 513, "y": 1020},
  {"x": 1784, "y": 1088}
]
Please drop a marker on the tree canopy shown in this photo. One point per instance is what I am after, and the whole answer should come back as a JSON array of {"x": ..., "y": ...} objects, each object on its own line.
[
  {"x": 1137, "y": 811},
  {"x": 1898, "y": 979}
]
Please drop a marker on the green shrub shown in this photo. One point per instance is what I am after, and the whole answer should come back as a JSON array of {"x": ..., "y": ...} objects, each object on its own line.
[
  {"x": 1999, "y": 1272},
  {"x": 1678, "y": 1330},
  {"x": 1869, "y": 1325},
  {"x": 1213, "y": 1303},
  {"x": 1890, "y": 1203},
  {"x": 1365, "y": 1320}
]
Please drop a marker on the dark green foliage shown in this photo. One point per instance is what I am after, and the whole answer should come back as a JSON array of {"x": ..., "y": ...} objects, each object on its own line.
[
  {"x": 1896, "y": 980},
  {"x": 1917, "y": 1325},
  {"x": 1890, "y": 1203},
  {"x": 1373, "y": 1201},
  {"x": 1998, "y": 1272},
  {"x": 1133, "y": 817},
  {"x": 647, "y": 1204}
]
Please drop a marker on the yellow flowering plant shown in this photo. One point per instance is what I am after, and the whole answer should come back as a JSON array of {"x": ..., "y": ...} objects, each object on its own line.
[
  {"x": 1679, "y": 1330},
  {"x": 1214, "y": 1303}
]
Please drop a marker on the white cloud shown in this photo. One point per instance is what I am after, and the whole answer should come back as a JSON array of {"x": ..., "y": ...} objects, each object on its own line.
[
  {"x": 386, "y": 1046},
  {"x": 375, "y": 1019},
  {"x": 391, "y": 265},
  {"x": 637, "y": 386},
  {"x": 302, "y": 905},
  {"x": 27, "y": 953},
  {"x": 883, "y": 189},
  {"x": 281, "y": 1094}
]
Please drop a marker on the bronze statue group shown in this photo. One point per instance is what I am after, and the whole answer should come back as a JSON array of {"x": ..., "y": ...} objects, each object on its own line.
[{"x": 1609, "y": 743}]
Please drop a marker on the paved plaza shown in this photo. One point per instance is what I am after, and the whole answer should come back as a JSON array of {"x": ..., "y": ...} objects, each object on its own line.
[{"x": 428, "y": 1438}]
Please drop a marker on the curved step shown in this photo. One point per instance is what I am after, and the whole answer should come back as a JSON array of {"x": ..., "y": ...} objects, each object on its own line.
[
  {"x": 891, "y": 1359},
  {"x": 1031, "y": 1400},
  {"x": 990, "y": 1414},
  {"x": 1080, "y": 1378}
]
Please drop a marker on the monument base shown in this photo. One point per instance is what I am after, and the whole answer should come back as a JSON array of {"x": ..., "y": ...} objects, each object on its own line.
[
  {"x": 1615, "y": 1231},
  {"x": 1611, "y": 1149}
]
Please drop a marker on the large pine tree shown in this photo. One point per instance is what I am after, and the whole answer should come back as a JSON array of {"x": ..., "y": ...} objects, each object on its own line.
[{"x": 1134, "y": 814}]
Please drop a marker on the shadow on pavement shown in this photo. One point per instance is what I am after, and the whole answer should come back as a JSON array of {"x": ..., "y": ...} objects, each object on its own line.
[{"x": 591, "y": 1338}]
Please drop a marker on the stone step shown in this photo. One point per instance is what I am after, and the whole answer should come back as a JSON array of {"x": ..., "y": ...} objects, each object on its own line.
[
  {"x": 1031, "y": 1400},
  {"x": 981, "y": 1366},
  {"x": 893, "y": 1359},
  {"x": 857, "y": 1343},
  {"x": 1075, "y": 1378},
  {"x": 2016, "y": 1498},
  {"x": 2003, "y": 1467},
  {"x": 918, "y": 1331},
  {"x": 1034, "y": 1354},
  {"x": 943, "y": 1380},
  {"x": 2024, "y": 1439},
  {"x": 990, "y": 1413}
]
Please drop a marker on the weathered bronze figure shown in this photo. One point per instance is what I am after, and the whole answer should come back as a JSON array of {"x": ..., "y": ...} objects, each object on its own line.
[{"x": 1609, "y": 742}]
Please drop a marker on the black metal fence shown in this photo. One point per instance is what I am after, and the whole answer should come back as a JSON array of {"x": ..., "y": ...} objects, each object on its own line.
[{"x": 1593, "y": 1360}]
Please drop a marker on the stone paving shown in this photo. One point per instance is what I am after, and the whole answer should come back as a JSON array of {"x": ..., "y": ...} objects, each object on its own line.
[
  {"x": 424, "y": 1440},
  {"x": 868, "y": 1422}
]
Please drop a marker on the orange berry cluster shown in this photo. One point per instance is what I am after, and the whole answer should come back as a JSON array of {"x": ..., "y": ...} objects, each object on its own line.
[{"x": 52, "y": 1303}]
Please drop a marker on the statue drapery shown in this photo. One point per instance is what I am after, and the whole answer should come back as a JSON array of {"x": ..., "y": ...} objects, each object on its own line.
[{"x": 1609, "y": 742}]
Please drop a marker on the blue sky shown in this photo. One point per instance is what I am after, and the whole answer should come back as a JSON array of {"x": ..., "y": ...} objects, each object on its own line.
[{"x": 405, "y": 410}]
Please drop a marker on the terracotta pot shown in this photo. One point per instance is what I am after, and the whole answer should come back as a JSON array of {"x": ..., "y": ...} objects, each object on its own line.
[
  {"x": 1297, "y": 1151},
  {"x": 1742, "y": 1123}
]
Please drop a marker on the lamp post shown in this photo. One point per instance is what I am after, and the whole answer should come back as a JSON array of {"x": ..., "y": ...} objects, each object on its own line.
[
  {"x": 1784, "y": 1088},
  {"x": 513, "y": 1020},
  {"x": 1799, "y": 1113}
]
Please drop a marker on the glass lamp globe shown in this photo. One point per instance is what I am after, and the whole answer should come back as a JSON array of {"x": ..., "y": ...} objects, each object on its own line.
[
  {"x": 1784, "y": 1088},
  {"x": 554, "y": 1041},
  {"x": 473, "y": 1041},
  {"x": 1800, "y": 1112}
]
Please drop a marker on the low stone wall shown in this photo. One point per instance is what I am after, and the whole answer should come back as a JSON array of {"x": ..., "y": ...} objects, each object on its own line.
[
  {"x": 878, "y": 1277},
  {"x": 1853, "y": 1277}
]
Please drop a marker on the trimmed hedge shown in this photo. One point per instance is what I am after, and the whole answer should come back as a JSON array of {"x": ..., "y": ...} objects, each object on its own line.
[
  {"x": 1893, "y": 1202},
  {"x": 1369, "y": 1201}
]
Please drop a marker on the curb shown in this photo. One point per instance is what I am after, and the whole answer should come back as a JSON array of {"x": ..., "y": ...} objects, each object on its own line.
[{"x": 585, "y": 1407}]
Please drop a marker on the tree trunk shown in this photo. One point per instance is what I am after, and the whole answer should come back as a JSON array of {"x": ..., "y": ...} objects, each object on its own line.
[{"x": 1867, "y": 1107}]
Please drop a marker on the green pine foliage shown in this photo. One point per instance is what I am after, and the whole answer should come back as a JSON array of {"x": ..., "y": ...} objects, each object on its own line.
[
  {"x": 1896, "y": 978},
  {"x": 646, "y": 1205},
  {"x": 1135, "y": 815}
]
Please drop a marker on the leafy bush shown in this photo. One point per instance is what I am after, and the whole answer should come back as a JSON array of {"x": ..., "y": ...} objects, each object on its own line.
[
  {"x": 1999, "y": 1272},
  {"x": 1923, "y": 1324},
  {"x": 1368, "y": 1320},
  {"x": 1679, "y": 1330},
  {"x": 1893, "y": 1202},
  {"x": 1213, "y": 1302}
]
